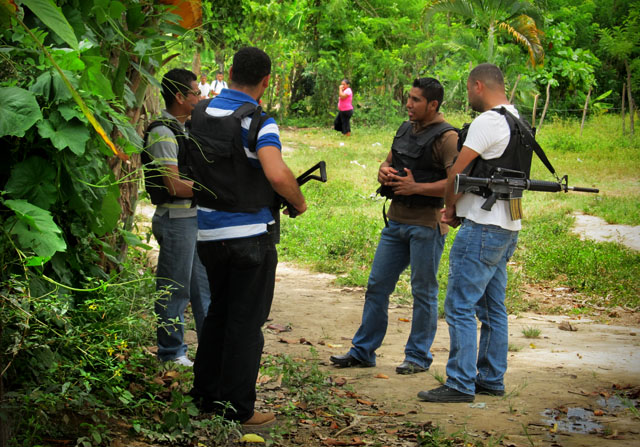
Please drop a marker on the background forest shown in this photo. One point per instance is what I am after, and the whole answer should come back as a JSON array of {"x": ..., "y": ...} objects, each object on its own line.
[{"x": 78, "y": 84}]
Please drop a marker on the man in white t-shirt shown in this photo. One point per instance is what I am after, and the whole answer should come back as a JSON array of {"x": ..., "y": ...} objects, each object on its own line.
[
  {"x": 483, "y": 245},
  {"x": 204, "y": 86},
  {"x": 218, "y": 84}
]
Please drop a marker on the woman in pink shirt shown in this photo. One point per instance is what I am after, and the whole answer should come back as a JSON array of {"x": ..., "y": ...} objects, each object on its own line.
[{"x": 345, "y": 108}]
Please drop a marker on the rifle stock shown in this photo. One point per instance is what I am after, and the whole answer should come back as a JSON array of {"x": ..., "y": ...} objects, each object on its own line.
[{"x": 302, "y": 179}]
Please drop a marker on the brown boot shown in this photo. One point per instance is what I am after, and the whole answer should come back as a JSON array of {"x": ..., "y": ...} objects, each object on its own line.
[{"x": 259, "y": 420}]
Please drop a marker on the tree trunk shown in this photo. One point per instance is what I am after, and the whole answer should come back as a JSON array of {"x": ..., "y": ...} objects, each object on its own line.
[
  {"x": 632, "y": 104},
  {"x": 623, "y": 93},
  {"x": 196, "y": 63},
  {"x": 513, "y": 91},
  {"x": 535, "y": 106},
  {"x": 584, "y": 112},
  {"x": 546, "y": 104},
  {"x": 490, "y": 43}
]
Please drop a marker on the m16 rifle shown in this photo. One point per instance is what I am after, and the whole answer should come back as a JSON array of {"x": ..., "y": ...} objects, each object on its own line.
[
  {"x": 507, "y": 184},
  {"x": 304, "y": 178}
]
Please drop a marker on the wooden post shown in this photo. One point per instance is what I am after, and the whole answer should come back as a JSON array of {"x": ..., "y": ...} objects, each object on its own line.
[
  {"x": 535, "y": 106},
  {"x": 632, "y": 105},
  {"x": 624, "y": 86},
  {"x": 584, "y": 111},
  {"x": 513, "y": 91},
  {"x": 546, "y": 105}
]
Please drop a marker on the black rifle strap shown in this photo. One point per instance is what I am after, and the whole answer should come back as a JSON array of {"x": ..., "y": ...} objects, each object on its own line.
[{"x": 384, "y": 213}]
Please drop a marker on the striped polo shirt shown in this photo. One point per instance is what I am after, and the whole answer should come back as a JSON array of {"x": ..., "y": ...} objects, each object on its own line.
[{"x": 214, "y": 225}]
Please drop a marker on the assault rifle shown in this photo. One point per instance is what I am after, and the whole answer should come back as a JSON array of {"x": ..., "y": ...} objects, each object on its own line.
[
  {"x": 507, "y": 184},
  {"x": 302, "y": 179}
]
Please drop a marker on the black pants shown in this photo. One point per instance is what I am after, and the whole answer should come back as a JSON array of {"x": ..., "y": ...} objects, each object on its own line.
[
  {"x": 342, "y": 121},
  {"x": 241, "y": 278}
]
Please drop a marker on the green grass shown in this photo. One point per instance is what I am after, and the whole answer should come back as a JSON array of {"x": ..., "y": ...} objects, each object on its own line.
[
  {"x": 531, "y": 332},
  {"x": 340, "y": 231}
]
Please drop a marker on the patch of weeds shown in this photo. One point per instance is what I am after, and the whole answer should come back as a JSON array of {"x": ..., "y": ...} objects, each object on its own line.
[
  {"x": 438, "y": 375},
  {"x": 304, "y": 381},
  {"x": 514, "y": 348},
  {"x": 531, "y": 332}
]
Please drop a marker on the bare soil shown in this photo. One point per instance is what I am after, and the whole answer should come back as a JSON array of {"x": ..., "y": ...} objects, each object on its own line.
[{"x": 561, "y": 387}]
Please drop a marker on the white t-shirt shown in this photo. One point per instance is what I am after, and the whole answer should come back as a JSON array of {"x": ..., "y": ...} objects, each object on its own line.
[
  {"x": 218, "y": 86},
  {"x": 489, "y": 136},
  {"x": 204, "y": 89}
]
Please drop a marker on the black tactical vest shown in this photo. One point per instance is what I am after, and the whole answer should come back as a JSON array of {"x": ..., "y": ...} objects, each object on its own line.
[
  {"x": 153, "y": 174},
  {"x": 216, "y": 161},
  {"x": 415, "y": 151},
  {"x": 516, "y": 156}
]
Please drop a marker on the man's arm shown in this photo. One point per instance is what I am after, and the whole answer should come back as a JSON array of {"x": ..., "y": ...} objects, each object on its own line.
[
  {"x": 465, "y": 157},
  {"x": 177, "y": 187},
  {"x": 281, "y": 178}
]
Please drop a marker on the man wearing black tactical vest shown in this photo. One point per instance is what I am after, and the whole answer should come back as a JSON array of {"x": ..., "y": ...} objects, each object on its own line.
[
  {"x": 413, "y": 176},
  {"x": 484, "y": 244},
  {"x": 179, "y": 272},
  {"x": 239, "y": 170}
]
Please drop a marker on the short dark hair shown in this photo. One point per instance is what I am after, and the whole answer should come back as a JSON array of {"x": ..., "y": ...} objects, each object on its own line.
[
  {"x": 431, "y": 88},
  {"x": 176, "y": 81},
  {"x": 250, "y": 66},
  {"x": 346, "y": 81},
  {"x": 489, "y": 74}
]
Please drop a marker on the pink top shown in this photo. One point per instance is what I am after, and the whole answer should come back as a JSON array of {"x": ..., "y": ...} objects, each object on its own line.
[{"x": 345, "y": 103}]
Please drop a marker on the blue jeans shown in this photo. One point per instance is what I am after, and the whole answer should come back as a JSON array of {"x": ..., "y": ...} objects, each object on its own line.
[
  {"x": 402, "y": 245},
  {"x": 179, "y": 270},
  {"x": 477, "y": 287},
  {"x": 242, "y": 276}
]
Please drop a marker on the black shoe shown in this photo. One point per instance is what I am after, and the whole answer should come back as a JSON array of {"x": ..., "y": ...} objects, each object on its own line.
[
  {"x": 446, "y": 395},
  {"x": 347, "y": 361},
  {"x": 488, "y": 391},
  {"x": 408, "y": 367}
]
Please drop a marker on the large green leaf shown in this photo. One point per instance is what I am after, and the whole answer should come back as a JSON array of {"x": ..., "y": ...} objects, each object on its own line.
[
  {"x": 52, "y": 16},
  {"x": 33, "y": 180},
  {"x": 72, "y": 134},
  {"x": 109, "y": 213},
  {"x": 50, "y": 82},
  {"x": 36, "y": 229},
  {"x": 19, "y": 111}
]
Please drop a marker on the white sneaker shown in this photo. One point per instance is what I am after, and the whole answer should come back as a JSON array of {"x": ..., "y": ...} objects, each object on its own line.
[{"x": 183, "y": 360}]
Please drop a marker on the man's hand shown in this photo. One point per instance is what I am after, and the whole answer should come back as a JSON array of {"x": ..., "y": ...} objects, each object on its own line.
[
  {"x": 449, "y": 216},
  {"x": 403, "y": 186},
  {"x": 384, "y": 174}
]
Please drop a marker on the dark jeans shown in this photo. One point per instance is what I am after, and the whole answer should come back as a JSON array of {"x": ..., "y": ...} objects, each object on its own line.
[
  {"x": 342, "y": 121},
  {"x": 241, "y": 278}
]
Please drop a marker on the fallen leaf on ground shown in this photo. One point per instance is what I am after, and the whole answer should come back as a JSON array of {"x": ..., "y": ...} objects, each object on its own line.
[
  {"x": 406, "y": 320},
  {"x": 284, "y": 340},
  {"x": 250, "y": 437},
  {"x": 304, "y": 341},
  {"x": 364, "y": 402},
  {"x": 381, "y": 376},
  {"x": 598, "y": 412},
  {"x": 331, "y": 345}
]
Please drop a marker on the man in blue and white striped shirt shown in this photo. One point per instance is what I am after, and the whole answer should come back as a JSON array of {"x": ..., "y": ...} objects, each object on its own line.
[{"x": 236, "y": 243}]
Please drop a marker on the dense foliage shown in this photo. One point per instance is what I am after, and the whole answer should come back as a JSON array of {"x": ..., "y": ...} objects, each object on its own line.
[{"x": 76, "y": 84}]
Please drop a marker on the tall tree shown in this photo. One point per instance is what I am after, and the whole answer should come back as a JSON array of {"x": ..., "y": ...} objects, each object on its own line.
[{"x": 520, "y": 20}]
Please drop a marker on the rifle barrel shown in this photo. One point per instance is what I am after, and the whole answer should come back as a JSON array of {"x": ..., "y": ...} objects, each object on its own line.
[{"x": 582, "y": 189}]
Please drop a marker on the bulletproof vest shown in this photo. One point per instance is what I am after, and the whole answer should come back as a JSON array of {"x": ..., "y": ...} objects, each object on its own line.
[
  {"x": 153, "y": 174},
  {"x": 516, "y": 156},
  {"x": 415, "y": 151},
  {"x": 224, "y": 179}
]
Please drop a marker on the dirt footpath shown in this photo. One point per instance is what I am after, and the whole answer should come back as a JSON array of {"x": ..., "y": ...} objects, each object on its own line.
[{"x": 562, "y": 387}]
